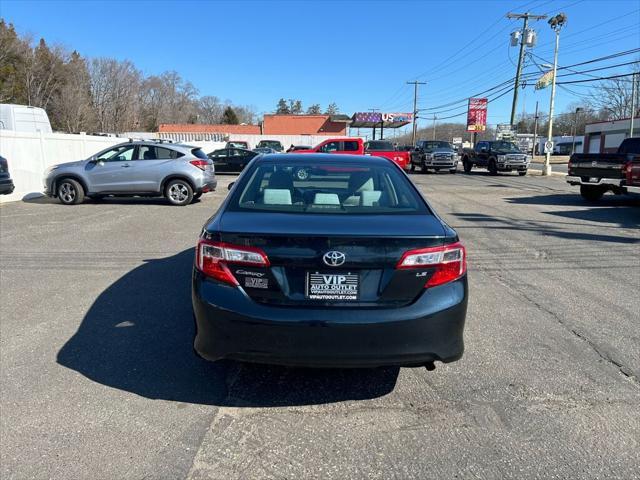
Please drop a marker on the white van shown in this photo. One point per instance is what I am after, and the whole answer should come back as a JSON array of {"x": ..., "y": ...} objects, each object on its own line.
[{"x": 22, "y": 118}]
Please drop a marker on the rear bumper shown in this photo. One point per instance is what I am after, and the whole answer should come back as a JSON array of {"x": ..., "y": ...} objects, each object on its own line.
[
  {"x": 632, "y": 189},
  {"x": 209, "y": 186},
  {"x": 574, "y": 180},
  {"x": 6, "y": 186},
  {"x": 230, "y": 325}
]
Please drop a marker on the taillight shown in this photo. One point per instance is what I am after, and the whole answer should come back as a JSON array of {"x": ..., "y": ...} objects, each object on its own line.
[
  {"x": 449, "y": 262},
  {"x": 212, "y": 259},
  {"x": 627, "y": 167},
  {"x": 201, "y": 164}
]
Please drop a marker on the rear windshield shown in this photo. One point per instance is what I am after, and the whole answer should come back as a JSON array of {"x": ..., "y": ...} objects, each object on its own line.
[
  {"x": 197, "y": 152},
  {"x": 380, "y": 146},
  {"x": 335, "y": 188}
]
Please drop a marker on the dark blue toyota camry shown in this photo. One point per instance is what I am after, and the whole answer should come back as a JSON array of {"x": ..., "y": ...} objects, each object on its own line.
[{"x": 328, "y": 261}]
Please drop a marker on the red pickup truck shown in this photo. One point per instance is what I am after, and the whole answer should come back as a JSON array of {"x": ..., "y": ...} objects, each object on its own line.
[
  {"x": 350, "y": 146},
  {"x": 632, "y": 177},
  {"x": 382, "y": 148}
]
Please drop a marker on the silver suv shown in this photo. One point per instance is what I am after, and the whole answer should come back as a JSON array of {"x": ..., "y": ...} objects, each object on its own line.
[{"x": 178, "y": 172}]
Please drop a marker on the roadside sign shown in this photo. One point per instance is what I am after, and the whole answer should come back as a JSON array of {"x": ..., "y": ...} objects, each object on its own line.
[
  {"x": 548, "y": 146},
  {"x": 477, "y": 115}
]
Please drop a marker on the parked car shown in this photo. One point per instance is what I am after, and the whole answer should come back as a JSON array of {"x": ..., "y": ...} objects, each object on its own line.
[
  {"x": 297, "y": 148},
  {"x": 23, "y": 118},
  {"x": 350, "y": 267},
  {"x": 231, "y": 159},
  {"x": 434, "y": 155},
  {"x": 178, "y": 172},
  {"x": 496, "y": 156},
  {"x": 599, "y": 173},
  {"x": 382, "y": 148},
  {"x": 6, "y": 184},
  {"x": 273, "y": 144},
  {"x": 264, "y": 150},
  {"x": 349, "y": 146},
  {"x": 237, "y": 144}
]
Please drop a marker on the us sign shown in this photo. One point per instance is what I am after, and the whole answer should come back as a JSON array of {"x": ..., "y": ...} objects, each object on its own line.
[{"x": 477, "y": 115}]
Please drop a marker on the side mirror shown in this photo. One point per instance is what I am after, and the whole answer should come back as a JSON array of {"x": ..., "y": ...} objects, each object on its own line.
[{"x": 230, "y": 186}]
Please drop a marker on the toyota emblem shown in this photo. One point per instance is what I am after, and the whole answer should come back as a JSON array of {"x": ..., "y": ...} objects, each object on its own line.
[{"x": 334, "y": 258}]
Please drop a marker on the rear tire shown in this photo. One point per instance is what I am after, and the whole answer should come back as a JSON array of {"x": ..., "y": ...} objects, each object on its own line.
[
  {"x": 178, "y": 192},
  {"x": 70, "y": 192},
  {"x": 467, "y": 166},
  {"x": 591, "y": 193},
  {"x": 412, "y": 168}
]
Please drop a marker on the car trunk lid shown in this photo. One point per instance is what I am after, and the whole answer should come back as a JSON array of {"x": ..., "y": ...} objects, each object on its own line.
[{"x": 302, "y": 273}]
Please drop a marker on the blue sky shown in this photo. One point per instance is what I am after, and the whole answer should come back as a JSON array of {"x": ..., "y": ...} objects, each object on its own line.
[{"x": 358, "y": 54}]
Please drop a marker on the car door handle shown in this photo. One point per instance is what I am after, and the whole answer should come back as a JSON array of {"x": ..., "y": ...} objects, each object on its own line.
[{"x": 125, "y": 166}]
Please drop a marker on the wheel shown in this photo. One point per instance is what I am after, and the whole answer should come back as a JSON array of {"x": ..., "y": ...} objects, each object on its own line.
[
  {"x": 412, "y": 168},
  {"x": 453, "y": 170},
  {"x": 178, "y": 192},
  {"x": 591, "y": 193},
  {"x": 302, "y": 174},
  {"x": 196, "y": 196},
  {"x": 467, "y": 165},
  {"x": 70, "y": 192},
  {"x": 493, "y": 168},
  {"x": 522, "y": 173}
]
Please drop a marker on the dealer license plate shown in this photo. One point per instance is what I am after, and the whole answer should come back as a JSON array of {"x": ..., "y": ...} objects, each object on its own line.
[{"x": 332, "y": 286}]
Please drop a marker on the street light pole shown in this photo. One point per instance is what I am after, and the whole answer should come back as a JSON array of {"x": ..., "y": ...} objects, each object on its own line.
[
  {"x": 634, "y": 87},
  {"x": 434, "y": 126},
  {"x": 556, "y": 23}
]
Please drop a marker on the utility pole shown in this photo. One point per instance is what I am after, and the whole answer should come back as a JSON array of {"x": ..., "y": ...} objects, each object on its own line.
[
  {"x": 415, "y": 108},
  {"x": 434, "y": 125},
  {"x": 575, "y": 130},
  {"x": 523, "y": 41},
  {"x": 556, "y": 23},
  {"x": 535, "y": 132},
  {"x": 634, "y": 88}
]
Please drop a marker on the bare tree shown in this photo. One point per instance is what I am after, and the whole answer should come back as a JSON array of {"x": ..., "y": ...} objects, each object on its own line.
[
  {"x": 114, "y": 89},
  {"x": 613, "y": 97},
  {"x": 42, "y": 74},
  {"x": 209, "y": 110}
]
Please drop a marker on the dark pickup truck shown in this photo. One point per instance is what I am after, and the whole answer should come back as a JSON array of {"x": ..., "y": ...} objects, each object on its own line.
[
  {"x": 434, "y": 155},
  {"x": 599, "y": 173},
  {"x": 496, "y": 156}
]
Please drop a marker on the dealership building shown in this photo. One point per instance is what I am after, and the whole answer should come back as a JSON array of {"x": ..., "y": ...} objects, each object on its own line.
[{"x": 606, "y": 137}]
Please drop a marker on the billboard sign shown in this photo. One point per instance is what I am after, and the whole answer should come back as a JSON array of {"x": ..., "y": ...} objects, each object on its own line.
[
  {"x": 477, "y": 115},
  {"x": 378, "y": 117}
]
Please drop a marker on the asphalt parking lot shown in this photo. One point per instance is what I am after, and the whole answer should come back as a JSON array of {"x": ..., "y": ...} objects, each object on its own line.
[{"x": 98, "y": 378}]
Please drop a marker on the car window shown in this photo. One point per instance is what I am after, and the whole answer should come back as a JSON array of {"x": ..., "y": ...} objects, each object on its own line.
[
  {"x": 123, "y": 153},
  {"x": 338, "y": 188},
  {"x": 151, "y": 152},
  {"x": 220, "y": 153},
  {"x": 350, "y": 146},
  {"x": 330, "y": 147}
]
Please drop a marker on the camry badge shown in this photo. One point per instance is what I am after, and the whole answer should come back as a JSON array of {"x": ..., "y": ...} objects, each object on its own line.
[
  {"x": 594, "y": 164},
  {"x": 334, "y": 258}
]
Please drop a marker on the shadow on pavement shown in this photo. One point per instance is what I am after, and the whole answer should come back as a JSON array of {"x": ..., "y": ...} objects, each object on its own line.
[
  {"x": 571, "y": 199},
  {"x": 138, "y": 336},
  {"x": 564, "y": 230}
]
